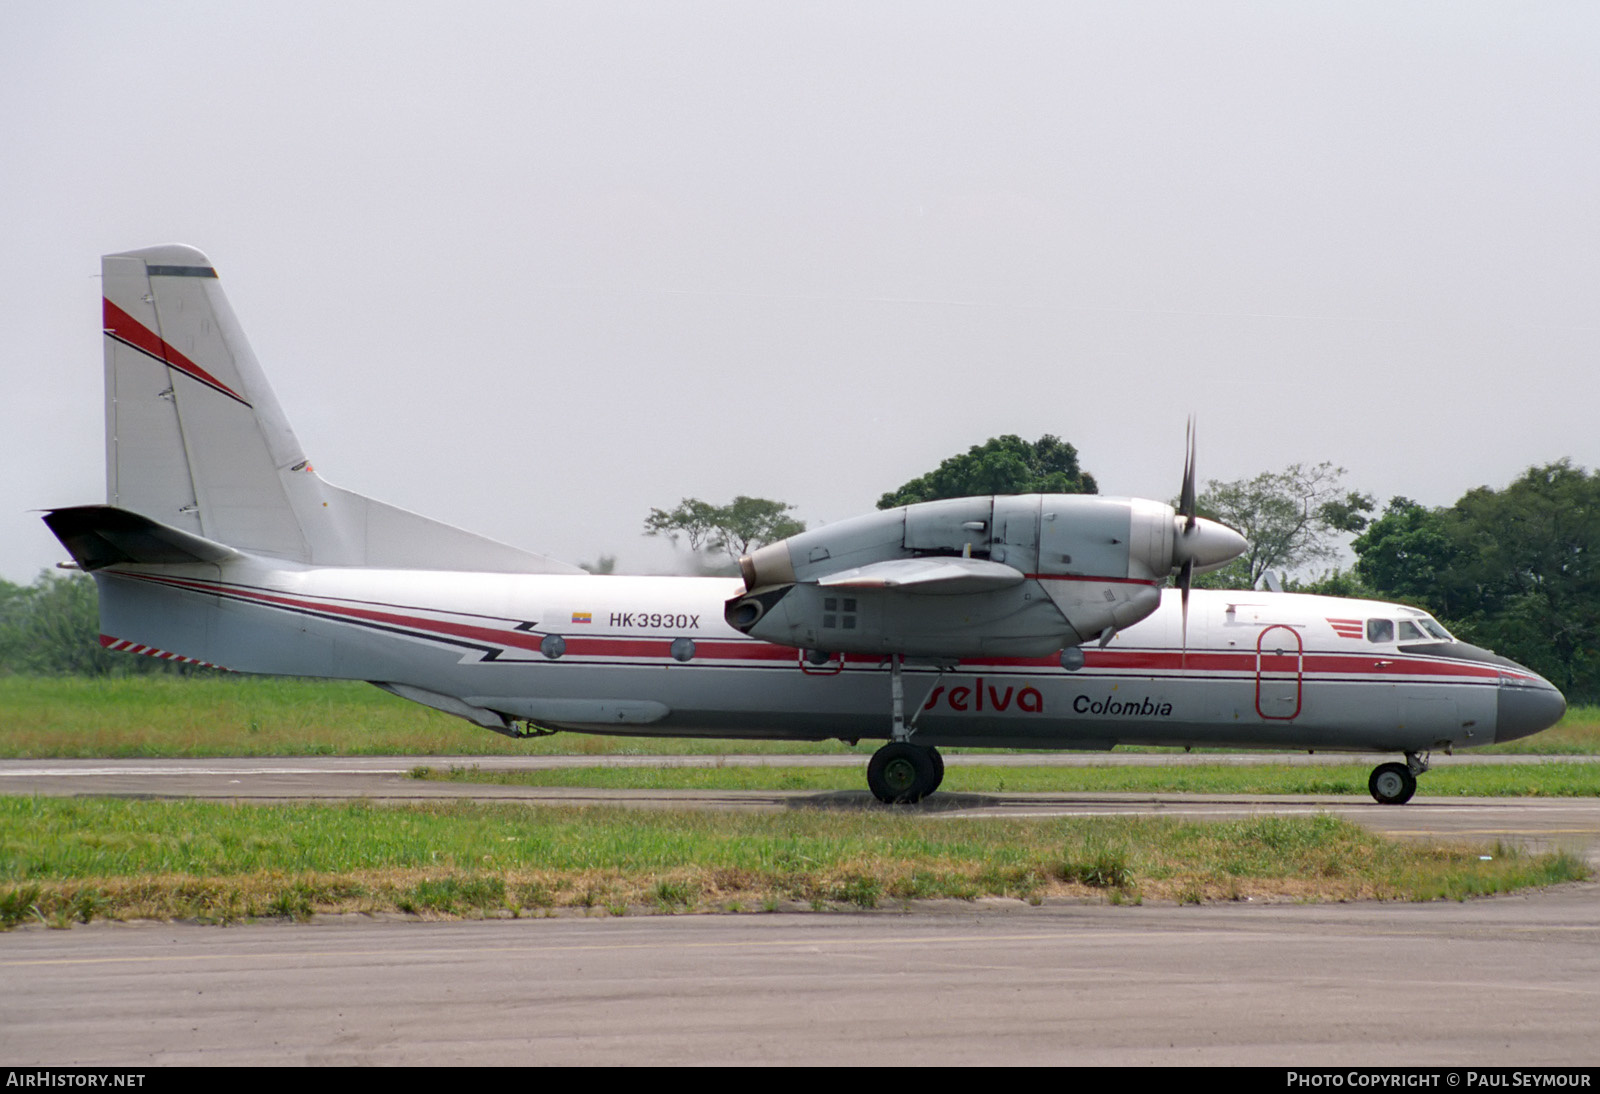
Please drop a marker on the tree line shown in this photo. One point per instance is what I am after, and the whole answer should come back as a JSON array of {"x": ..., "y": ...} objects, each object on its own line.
[
  {"x": 1513, "y": 570},
  {"x": 52, "y": 627}
]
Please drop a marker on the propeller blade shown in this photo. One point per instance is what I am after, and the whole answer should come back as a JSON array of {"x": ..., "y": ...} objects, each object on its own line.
[
  {"x": 1186, "y": 496},
  {"x": 1185, "y": 579}
]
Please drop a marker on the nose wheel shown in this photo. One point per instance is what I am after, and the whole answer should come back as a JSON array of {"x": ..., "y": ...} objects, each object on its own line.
[
  {"x": 901, "y": 772},
  {"x": 1393, "y": 784}
]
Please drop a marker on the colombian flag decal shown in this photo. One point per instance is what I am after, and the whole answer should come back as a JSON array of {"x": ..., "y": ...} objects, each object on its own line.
[{"x": 582, "y": 617}]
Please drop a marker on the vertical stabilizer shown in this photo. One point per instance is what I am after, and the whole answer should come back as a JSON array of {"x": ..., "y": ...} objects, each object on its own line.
[
  {"x": 195, "y": 439},
  {"x": 197, "y": 444}
]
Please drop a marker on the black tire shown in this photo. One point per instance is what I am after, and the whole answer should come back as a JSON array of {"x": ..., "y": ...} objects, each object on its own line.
[
  {"x": 1392, "y": 784},
  {"x": 902, "y": 773},
  {"x": 938, "y": 769}
]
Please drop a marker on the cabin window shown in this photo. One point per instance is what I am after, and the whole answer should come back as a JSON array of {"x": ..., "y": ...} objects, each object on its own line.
[
  {"x": 839, "y": 612},
  {"x": 1410, "y": 632},
  {"x": 1380, "y": 630}
]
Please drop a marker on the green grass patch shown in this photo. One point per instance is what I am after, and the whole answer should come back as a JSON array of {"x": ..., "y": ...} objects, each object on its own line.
[
  {"x": 1477, "y": 780},
  {"x": 72, "y": 860},
  {"x": 239, "y": 715}
]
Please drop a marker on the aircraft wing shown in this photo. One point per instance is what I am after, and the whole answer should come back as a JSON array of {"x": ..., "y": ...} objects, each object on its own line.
[{"x": 927, "y": 575}]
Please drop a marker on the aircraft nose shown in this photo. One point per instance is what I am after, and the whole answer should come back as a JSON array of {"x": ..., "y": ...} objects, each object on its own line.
[
  {"x": 1208, "y": 543},
  {"x": 1525, "y": 706}
]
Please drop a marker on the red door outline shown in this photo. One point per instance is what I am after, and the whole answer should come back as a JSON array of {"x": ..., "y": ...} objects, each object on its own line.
[
  {"x": 1279, "y": 674},
  {"x": 833, "y": 666}
]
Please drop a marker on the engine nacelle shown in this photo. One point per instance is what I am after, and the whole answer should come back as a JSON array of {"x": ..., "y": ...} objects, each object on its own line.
[{"x": 1020, "y": 575}]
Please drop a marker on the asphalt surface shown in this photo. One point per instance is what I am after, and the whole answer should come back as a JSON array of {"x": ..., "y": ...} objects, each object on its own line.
[
  {"x": 1506, "y": 981},
  {"x": 1503, "y": 981}
]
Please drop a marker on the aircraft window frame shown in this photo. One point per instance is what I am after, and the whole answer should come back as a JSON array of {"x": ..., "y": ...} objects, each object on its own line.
[
  {"x": 839, "y": 612},
  {"x": 1435, "y": 628},
  {"x": 1380, "y": 630},
  {"x": 1418, "y": 635}
]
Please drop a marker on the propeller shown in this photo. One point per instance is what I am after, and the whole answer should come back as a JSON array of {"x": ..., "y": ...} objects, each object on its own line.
[
  {"x": 1186, "y": 509},
  {"x": 1186, "y": 502}
]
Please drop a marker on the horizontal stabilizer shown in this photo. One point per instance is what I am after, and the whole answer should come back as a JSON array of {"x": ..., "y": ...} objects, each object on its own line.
[
  {"x": 947, "y": 576},
  {"x": 104, "y": 535}
]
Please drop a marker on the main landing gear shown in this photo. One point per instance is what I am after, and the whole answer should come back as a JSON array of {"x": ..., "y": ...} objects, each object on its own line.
[
  {"x": 901, "y": 772},
  {"x": 1393, "y": 784}
]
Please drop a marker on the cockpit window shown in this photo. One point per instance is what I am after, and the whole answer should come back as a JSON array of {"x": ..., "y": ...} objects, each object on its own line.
[
  {"x": 1380, "y": 630},
  {"x": 1431, "y": 625},
  {"x": 1409, "y": 631}
]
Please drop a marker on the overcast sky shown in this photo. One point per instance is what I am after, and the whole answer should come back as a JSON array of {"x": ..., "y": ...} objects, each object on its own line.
[{"x": 535, "y": 268}]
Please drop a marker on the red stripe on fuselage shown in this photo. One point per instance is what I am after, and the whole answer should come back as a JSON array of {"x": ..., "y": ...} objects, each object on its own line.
[
  {"x": 592, "y": 645},
  {"x": 520, "y": 639},
  {"x": 1152, "y": 661}
]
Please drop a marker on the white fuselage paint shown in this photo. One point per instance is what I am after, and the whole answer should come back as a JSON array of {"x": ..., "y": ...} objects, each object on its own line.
[{"x": 1254, "y": 669}]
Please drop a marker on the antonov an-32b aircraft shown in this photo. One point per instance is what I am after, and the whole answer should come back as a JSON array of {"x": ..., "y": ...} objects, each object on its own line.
[{"x": 1035, "y": 621}]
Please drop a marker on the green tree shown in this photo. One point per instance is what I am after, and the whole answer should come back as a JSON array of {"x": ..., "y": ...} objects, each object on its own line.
[
  {"x": 1416, "y": 555},
  {"x": 604, "y": 566},
  {"x": 1290, "y": 518},
  {"x": 13, "y": 607},
  {"x": 1517, "y": 569},
  {"x": 52, "y": 627},
  {"x": 736, "y": 528},
  {"x": 1001, "y": 465},
  {"x": 1334, "y": 582}
]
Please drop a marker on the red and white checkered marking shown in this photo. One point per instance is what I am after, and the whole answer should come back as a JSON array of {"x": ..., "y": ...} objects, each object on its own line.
[{"x": 122, "y": 645}]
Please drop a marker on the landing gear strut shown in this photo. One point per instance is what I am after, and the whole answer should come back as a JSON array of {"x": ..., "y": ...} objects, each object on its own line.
[
  {"x": 1393, "y": 784},
  {"x": 901, "y": 772}
]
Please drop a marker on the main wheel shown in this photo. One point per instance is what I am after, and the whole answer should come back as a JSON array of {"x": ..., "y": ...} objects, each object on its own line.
[
  {"x": 900, "y": 772},
  {"x": 1392, "y": 784}
]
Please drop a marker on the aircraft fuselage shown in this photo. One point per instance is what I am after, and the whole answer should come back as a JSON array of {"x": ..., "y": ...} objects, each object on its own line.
[{"x": 653, "y": 656}]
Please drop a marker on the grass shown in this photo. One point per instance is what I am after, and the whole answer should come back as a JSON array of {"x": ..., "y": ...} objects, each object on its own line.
[
  {"x": 1552, "y": 780},
  {"x": 72, "y": 860},
  {"x": 77, "y": 860},
  {"x": 237, "y": 715}
]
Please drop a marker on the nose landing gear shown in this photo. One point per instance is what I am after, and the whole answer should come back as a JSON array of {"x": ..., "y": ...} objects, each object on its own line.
[{"x": 1393, "y": 784}]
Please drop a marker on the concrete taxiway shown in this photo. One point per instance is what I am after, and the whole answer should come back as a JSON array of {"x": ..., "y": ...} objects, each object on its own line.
[
  {"x": 1503, "y": 981},
  {"x": 1507, "y": 981}
]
